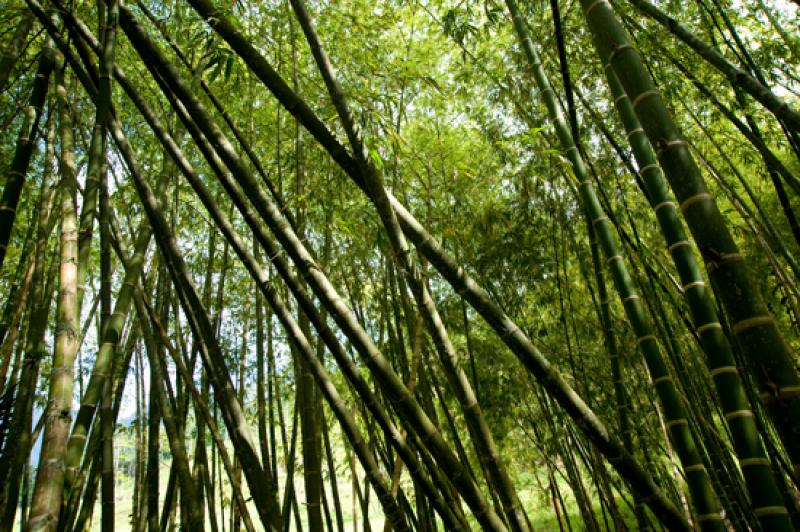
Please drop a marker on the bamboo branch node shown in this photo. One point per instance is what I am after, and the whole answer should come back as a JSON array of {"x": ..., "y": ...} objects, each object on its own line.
[
  {"x": 676, "y": 423},
  {"x": 708, "y": 326},
  {"x": 679, "y": 244},
  {"x": 663, "y": 378},
  {"x": 634, "y": 131},
  {"x": 645, "y": 338},
  {"x": 621, "y": 97},
  {"x": 697, "y": 284},
  {"x": 619, "y": 49}
]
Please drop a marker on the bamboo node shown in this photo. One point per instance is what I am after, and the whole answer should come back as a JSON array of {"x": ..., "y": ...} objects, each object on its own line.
[
  {"x": 664, "y": 204},
  {"x": 643, "y": 96},
  {"x": 679, "y": 244},
  {"x": 697, "y": 198},
  {"x": 724, "y": 369},
  {"x": 645, "y": 338},
  {"x": 615, "y": 257},
  {"x": 12, "y": 210},
  {"x": 736, "y": 414},
  {"x": 786, "y": 392},
  {"x": 708, "y": 326},
  {"x": 749, "y": 462},
  {"x": 749, "y": 323},
  {"x": 620, "y": 98},
  {"x": 663, "y": 378},
  {"x": 599, "y": 219},
  {"x": 770, "y": 510},
  {"x": 648, "y": 167},
  {"x": 696, "y": 468},
  {"x": 709, "y": 517},
  {"x": 694, "y": 284},
  {"x": 665, "y": 145},
  {"x": 594, "y": 5},
  {"x": 632, "y": 132},
  {"x": 619, "y": 49},
  {"x": 676, "y": 422},
  {"x": 632, "y": 297}
]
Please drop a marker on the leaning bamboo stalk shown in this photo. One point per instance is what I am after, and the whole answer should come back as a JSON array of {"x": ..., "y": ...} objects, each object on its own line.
[
  {"x": 766, "y": 351},
  {"x": 49, "y": 487},
  {"x": 673, "y": 408},
  {"x": 300, "y": 255},
  {"x": 17, "y": 447},
  {"x": 719, "y": 355},
  {"x": 737, "y": 76},
  {"x": 26, "y": 142},
  {"x": 13, "y": 51},
  {"x": 485, "y": 446},
  {"x": 103, "y": 103},
  {"x": 329, "y": 338},
  {"x": 507, "y": 330}
]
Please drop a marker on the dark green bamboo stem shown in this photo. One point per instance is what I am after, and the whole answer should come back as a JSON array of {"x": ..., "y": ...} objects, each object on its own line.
[
  {"x": 768, "y": 356},
  {"x": 11, "y": 53},
  {"x": 674, "y": 411},
  {"x": 719, "y": 356},
  {"x": 26, "y": 142},
  {"x": 49, "y": 487}
]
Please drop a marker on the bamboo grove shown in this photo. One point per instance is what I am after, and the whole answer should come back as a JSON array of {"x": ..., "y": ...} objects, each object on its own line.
[{"x": 400, "y": 265}]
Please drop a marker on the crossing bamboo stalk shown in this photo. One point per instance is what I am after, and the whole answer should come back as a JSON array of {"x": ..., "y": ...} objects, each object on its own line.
[
  {"x": 675, "y": 414},
  {"x": 767, "y": 353}
]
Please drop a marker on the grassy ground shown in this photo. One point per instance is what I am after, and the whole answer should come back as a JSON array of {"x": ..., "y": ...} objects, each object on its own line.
[
  {"x": 535, "y": 499},
  {"x": 541, "y": 513}
]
